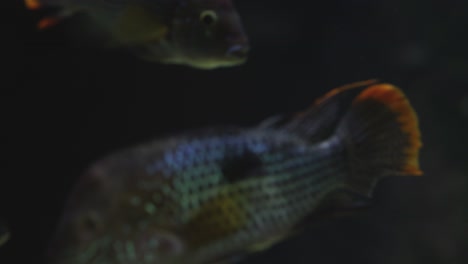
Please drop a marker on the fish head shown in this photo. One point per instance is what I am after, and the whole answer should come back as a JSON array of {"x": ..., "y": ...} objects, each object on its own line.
[
  {"x": 209, "y": 34},
  {"x": 105, "y": 221}
]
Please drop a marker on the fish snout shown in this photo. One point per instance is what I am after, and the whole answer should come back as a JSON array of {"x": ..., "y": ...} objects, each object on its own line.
[{"x": 238, "y": 51}]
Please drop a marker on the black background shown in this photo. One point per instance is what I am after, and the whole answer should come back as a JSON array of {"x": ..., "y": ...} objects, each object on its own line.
[{"x": 64, "y": 105}]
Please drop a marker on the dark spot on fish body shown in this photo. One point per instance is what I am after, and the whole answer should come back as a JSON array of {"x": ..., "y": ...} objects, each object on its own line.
[{"x": 240, "y": 167}]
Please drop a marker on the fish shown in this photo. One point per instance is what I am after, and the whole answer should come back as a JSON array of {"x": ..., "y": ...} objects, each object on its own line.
[
  {"x": 4, "y": 233},
  {"x": 222, "y": 193},
  {"x": 203, "y": 34}
]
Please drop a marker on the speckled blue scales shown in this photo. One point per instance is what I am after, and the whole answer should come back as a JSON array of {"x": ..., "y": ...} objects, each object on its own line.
[
  {"x": 208, "y": 195},
  {"x": 286, "y": 182}
]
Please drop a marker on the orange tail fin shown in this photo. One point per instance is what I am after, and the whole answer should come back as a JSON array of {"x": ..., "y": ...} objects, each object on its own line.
[
  {"x": 381, "y": 134},
  {"x": 406, "y": 118}
]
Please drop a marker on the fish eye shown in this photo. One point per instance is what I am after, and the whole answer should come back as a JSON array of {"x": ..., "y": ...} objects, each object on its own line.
[{"x": 208, "y": 17}]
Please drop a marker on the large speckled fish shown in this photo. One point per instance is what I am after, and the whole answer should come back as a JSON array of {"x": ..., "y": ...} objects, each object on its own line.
[
  {"x": 204, "y": 34},
  {"x": 208, "y": 196}
]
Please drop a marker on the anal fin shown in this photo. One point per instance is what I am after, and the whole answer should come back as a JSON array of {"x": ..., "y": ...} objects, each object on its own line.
[{"x": 343, "y": 202}]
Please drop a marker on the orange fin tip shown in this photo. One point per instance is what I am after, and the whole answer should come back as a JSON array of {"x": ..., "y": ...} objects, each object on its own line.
[
  {"x": 33, "y": 4},
  {"x": 343, "y": 88},
  {"x": 47, "y": 22},
  {"x": 336, "y": 91},
  {"x": 396, "y": 101}
]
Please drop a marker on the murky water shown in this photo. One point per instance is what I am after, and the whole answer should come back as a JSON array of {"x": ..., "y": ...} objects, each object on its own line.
[{"x": 65, "y": 105}]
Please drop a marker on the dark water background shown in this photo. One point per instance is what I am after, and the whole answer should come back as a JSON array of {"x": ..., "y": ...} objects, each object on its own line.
[{"x": 64, "y": 106}]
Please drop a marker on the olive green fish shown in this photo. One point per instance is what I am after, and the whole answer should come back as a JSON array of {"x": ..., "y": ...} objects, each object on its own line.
[
  {"x": 204, "y": 34},
  {"x": 208, "y": 196}
]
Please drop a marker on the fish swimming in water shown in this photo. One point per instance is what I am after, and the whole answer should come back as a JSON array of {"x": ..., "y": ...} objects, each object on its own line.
[
  {"x": 4, "y": 233},
  {"x": 204, "y": 34},
  {"x": 210, "y": 195}
]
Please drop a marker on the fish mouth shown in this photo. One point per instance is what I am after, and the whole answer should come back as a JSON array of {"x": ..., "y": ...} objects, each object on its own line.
[{"x": 238, "y": 51}]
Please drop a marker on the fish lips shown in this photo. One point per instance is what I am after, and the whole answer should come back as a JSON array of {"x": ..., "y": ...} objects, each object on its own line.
[{"x": 238, "y": 51}]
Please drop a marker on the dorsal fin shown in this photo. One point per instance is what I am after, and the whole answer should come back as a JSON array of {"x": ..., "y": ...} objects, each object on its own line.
[
  {"x": 276, "y": 121},
  {"x": 320, "y": 120}
]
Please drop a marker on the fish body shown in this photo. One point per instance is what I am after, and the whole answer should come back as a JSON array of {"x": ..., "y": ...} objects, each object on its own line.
[
  {"x": 210, "y": 195},
  {"x": 204, "y": 34}
]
